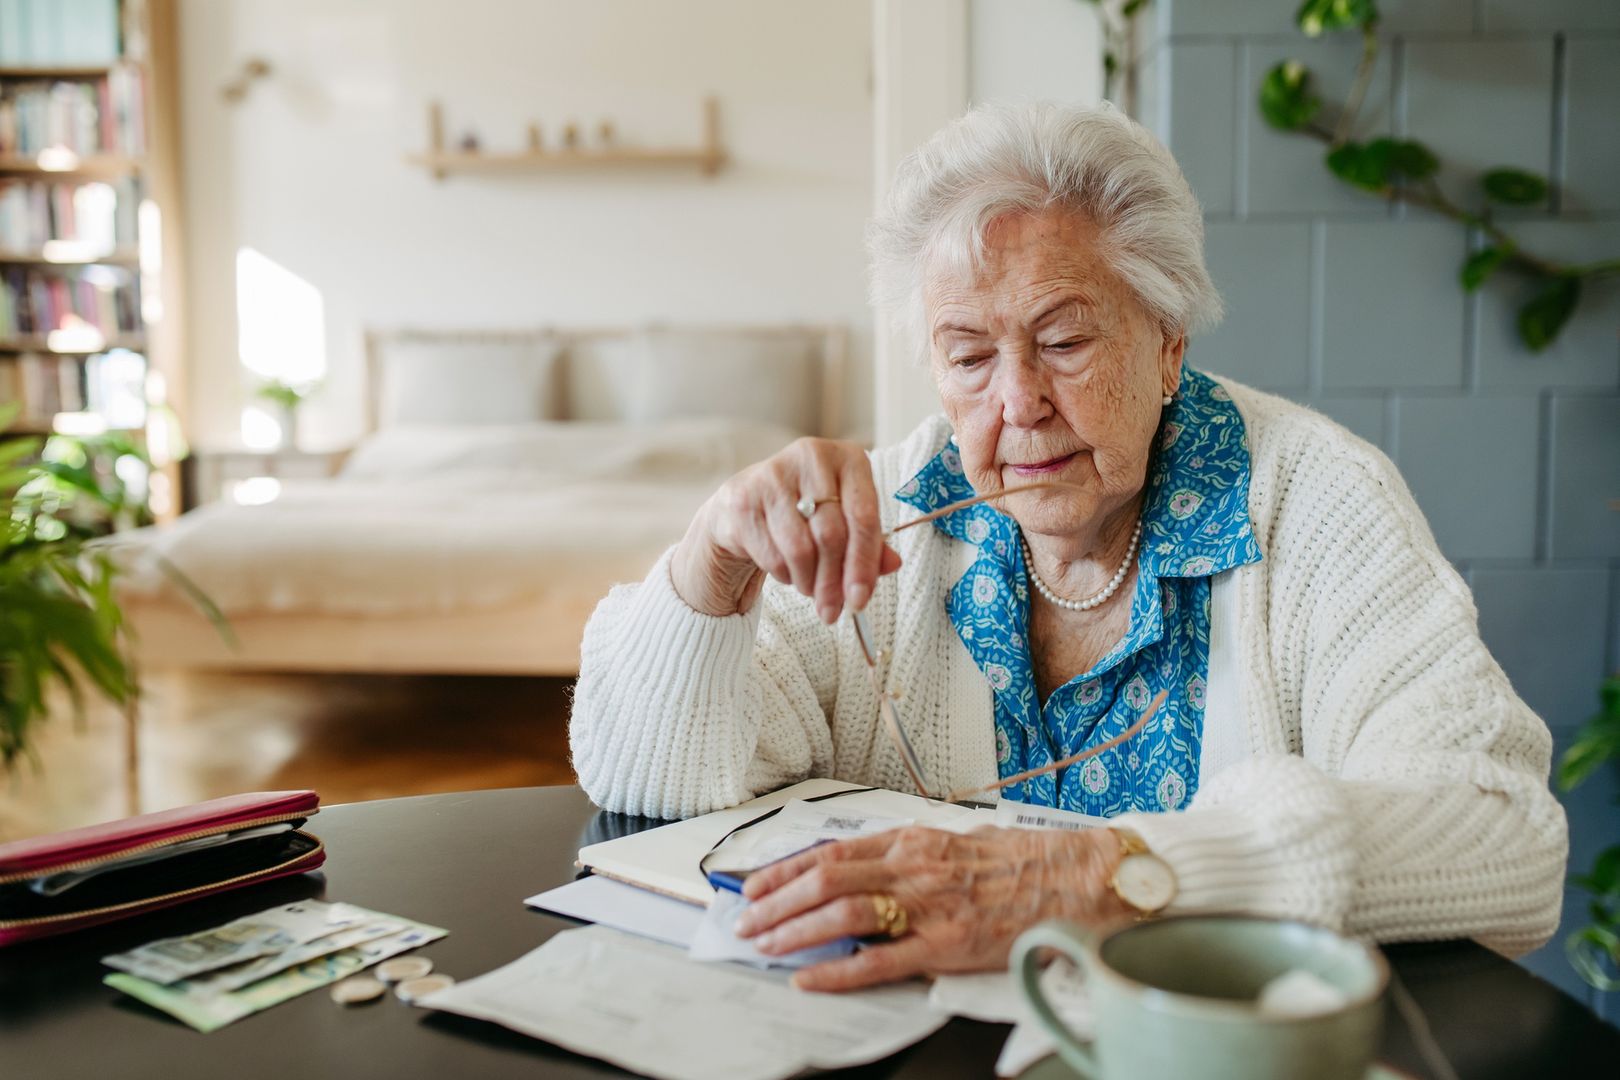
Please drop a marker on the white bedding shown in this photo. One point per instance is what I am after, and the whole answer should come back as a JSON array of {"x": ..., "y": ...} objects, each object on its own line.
[{"x": 440, "y": 519}]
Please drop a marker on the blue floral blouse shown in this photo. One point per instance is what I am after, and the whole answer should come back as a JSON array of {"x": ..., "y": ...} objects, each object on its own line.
[{"x": 1195, "y": 524}]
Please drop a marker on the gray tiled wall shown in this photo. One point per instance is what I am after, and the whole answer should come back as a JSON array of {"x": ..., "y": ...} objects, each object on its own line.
[{"x": 1353, "y": 307}]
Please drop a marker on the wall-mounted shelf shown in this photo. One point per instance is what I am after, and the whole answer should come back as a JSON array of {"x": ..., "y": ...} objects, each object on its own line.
[{"x": 441, "y": 162}]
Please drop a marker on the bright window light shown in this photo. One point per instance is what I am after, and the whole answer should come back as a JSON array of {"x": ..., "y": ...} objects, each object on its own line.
[{"x": 281, "y": 321}]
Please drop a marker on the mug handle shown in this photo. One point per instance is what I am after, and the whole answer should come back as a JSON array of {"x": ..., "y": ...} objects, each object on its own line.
[{"x": 1069, "y": 940}]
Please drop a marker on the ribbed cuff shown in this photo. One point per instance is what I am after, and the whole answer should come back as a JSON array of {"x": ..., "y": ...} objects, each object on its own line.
[
  {"x": 1268, "y": 836},
  {"x": 661, "y": 704}
]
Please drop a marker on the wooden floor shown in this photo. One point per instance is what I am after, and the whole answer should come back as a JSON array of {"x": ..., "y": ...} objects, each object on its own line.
[{"x": 350, "y": 737}]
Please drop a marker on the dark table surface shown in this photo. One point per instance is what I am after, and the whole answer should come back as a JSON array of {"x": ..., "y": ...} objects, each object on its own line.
[{"x": 466, "y": 861}]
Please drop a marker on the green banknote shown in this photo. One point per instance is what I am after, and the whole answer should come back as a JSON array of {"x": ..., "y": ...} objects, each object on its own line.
[{"x": 199, "y": 1008}]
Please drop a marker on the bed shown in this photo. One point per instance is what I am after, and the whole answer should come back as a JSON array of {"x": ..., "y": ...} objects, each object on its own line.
[{"x": 507, "y": 481}]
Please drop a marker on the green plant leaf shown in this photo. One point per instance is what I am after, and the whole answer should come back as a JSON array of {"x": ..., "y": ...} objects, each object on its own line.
[
  {"x": 1379, "y": 164},
  {"x": 1596, "y": 742},
  {"x": 1541, "y": 319},
  {"x": 1514, "y": 186},
  {"x": 1132, "y": 7},
  {"x": 1286, "y": 100},
  {"x": 1357, "y": 164},
  {"x": 1603, "y": 880},
  {"x": 1410, "y": 159},
  {"x": 12, "y": 449},
  {"x": 1594, "y": 952},
  {"x": 1315, "y": 17},
  {"x": 1479, "y": 266}
]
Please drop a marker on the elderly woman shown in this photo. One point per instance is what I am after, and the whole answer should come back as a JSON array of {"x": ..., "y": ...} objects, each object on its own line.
[{"x": 1335, "y": 744}]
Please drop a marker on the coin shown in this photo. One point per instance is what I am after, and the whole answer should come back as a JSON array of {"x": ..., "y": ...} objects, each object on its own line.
[
  {"x": 413, "y": 990},
  {"x": 357, "y": 990},
  {"x": 402, "y": 968}
]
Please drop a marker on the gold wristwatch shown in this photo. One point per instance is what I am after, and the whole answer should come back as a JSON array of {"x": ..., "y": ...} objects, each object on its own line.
[{"x": 1142, "y": 879}]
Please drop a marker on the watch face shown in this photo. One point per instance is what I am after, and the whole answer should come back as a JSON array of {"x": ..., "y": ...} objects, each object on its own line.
[{"x": 1145, "y": 882}]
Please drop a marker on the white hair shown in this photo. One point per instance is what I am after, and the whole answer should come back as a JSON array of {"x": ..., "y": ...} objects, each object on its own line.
[{"x": 1008, "y": 159}]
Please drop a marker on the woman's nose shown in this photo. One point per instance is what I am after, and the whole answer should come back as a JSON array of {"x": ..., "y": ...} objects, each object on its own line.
[{"x": 1026, "y": 393}]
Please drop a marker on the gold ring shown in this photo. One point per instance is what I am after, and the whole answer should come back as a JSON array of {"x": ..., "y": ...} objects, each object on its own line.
[{"x": 891, "y": 915}]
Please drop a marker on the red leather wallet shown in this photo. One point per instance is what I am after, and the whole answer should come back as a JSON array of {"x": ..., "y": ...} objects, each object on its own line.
[{"x": 83, "y": 877}]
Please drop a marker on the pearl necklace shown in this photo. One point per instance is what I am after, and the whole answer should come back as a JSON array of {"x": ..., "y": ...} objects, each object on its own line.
[{"x": 1091, "y": 601}]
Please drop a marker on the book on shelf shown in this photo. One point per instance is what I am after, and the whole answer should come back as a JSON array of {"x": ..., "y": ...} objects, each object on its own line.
[
  {"x": 59, "y": 33},
  {"x": 93, "y": 218},
  {"x": 111, "y": 385},
  {"x": 35, "y": 301},
  {"x": 101, "y": 115}
]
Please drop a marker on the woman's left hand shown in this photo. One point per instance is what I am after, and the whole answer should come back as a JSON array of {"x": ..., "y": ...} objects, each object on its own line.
[{"x": 966, "y": 898}]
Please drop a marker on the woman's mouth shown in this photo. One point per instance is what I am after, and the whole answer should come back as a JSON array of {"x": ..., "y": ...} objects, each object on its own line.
[{"x": 1039, "y": 468}]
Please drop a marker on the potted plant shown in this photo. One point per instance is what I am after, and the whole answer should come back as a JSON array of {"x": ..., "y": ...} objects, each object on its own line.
[
  {"x": 287, "y": 397},
  {"x": 1594, "y": 950},
  {"x": 60, "y": 624}
]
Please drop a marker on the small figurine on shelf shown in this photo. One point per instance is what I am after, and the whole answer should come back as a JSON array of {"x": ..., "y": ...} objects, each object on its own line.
[
  {"x": 571, "y": 135},
  {"x": 469, "y": 143},
  {"x": 604, "y": 132},
  {"x": 534, "y": 138}
]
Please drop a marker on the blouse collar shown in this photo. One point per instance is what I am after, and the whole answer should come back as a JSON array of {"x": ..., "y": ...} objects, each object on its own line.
[{"x": 1195, "y": 519}]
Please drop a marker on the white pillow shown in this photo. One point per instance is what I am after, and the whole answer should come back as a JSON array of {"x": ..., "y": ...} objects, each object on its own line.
[
  {"x": 663, "y": 375},
  {"x": 511, "y": 380}
]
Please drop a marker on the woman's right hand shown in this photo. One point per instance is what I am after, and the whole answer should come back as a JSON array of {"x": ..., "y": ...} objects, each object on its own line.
[{"x": 752, "y": 527}]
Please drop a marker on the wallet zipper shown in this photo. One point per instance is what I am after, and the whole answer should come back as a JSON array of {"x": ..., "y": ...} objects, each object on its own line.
[
  {"x": 41, "y": 920},
  {"x": 153, "y": 845}
]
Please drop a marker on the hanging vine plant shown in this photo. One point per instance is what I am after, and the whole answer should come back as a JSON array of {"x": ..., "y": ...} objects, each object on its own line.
[{"x": 1405, "y": 170}]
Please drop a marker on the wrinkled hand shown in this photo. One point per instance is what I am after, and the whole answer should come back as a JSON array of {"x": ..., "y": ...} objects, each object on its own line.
[
  {"x": 966, "y": 896},
  {"x": 752, "y": 527}
]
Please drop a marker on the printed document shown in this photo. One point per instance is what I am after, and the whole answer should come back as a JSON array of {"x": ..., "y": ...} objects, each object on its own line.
[{"x": 645, "y": 1007}]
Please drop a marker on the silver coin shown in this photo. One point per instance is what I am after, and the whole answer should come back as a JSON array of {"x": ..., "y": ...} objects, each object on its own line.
[
  {"x": 357, "y": 990},
  {"x": 401, "y": 968},
  {"x": 413, "y": 990}
]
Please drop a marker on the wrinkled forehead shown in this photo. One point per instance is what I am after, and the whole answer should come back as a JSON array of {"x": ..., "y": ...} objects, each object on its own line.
[{"x": 1021, "y": 259}]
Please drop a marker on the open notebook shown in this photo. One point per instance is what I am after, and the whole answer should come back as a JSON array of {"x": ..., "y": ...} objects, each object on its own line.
[{"x": 665, "y": 859}]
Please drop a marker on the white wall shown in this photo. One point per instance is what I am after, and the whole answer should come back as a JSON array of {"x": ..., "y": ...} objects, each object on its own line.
[
  {"x": 920, "y": 59},
  {"x": 1034, "y": 50},
  {"x": 310, "y": 172}
]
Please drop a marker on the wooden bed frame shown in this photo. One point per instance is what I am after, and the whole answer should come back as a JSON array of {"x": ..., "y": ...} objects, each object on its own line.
[{"x": 534, "y": 638}]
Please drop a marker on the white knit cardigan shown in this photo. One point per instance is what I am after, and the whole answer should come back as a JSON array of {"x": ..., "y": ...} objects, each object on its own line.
[{"x": 1375, "y": 772}]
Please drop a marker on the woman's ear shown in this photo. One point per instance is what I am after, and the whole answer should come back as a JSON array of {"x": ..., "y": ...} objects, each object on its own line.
[{"x": 1172, "y": 348}]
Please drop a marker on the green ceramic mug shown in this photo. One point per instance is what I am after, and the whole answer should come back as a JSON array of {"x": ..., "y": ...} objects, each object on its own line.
[{"x": 1177, "y": 998}]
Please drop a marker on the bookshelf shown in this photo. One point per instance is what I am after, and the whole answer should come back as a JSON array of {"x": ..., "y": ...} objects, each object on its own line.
[{"x": 90, "y": 301}]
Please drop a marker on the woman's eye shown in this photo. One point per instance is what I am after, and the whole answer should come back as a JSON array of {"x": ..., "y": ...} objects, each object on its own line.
[
  {"x": 1065, "y": 346},
  {"x": 969, "y": 362}
]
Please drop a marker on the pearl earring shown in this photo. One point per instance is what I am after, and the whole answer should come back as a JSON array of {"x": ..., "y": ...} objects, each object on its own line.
[{"x": 1167, "y": 399}]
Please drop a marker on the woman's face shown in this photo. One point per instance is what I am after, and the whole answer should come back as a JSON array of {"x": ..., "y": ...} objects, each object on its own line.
[{"x": 1050, "y": 369}]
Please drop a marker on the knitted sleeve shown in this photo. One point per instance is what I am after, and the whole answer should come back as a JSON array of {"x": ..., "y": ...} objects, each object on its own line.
[
  {"x": 679, "y": 713},
  {"x": 1410, "y": 800}
]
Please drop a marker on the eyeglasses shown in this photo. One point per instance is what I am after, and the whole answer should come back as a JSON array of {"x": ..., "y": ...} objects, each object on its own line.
[{"x": 876, "y": 662}]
